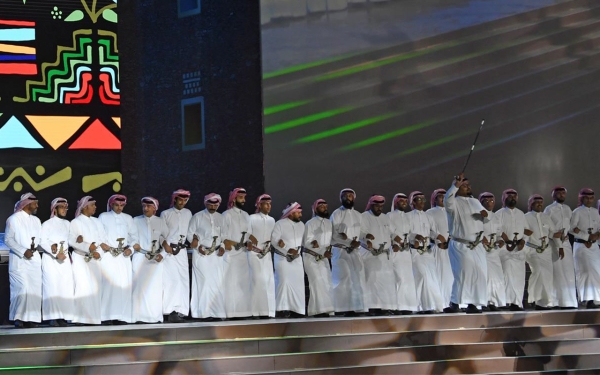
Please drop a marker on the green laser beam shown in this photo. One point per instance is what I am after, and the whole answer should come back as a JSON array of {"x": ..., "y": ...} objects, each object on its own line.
[
  {"x": 386, "y": 136},
  {"x": 306, "y": 120},
  {"x": 386, "y": 61},
  {"x": 285, "y": 107},
  {"x": 345, "y": 128},
  {"x": 297, "y": 68},
  {"x": 437, "y": 142}
]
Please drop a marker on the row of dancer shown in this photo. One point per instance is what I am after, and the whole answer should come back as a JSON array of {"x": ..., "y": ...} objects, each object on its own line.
[{"x": 233, "y": 278}]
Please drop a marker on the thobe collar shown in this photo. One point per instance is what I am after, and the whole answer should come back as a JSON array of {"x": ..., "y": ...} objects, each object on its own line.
[
  {"x": 344, "y": 208},
  {"x": 264, "y": 216},
  {"x": 236, "y": 210}
]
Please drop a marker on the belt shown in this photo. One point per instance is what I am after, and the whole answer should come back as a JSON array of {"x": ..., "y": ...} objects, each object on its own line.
[
  {"x": 537, "y": 248},
  {"x": 317, "y": 256},
  {"x": 470, "y": 244},
  {"x": 289, "y": 257}
]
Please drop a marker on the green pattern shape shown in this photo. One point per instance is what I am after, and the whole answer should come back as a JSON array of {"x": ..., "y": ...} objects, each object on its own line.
[
  {"x": 345, "y": 128},
  {"x": 306, "y": 120},
  {"x": 386, "y": 136},
  {"x": 67, "y": 58},
  {"x": 59, "y": 81},
  {"x": 46, "y": 66}
]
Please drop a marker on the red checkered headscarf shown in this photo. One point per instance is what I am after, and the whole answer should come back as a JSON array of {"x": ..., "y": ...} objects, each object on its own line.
[
  {"x": 434, "y": 196},
  {"x": 55, "y": 203},
  {"x": 397, "y": 197},
  {"x": 234, "y": 194}
]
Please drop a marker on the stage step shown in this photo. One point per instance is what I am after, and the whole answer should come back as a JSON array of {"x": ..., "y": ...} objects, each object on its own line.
[{"x": 403, "y": 344}]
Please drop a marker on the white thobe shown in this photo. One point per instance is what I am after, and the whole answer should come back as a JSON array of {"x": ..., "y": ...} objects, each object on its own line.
[
  {"x": 319, "y": 274},
  {"x": 496, "y": 288},
  {"x": 147, "y": 294},
  {"x": 117, "y": 273},
  {"x": 24, "y": 274},
  {"x": 540, "y": 288},
  {"x": 237, "y": 289},
  {"x": 513, "y": 262},
  {"x": 58, "y": 285},
  {"x": 379, "y": 270},
  {"x": 208, "y": 300},
  {"x": 289, "y": 276},
  {"x": 564, "y": 269},
  {"x": 87, "y": 275},
  {"x": 426, "y": 277},
  {"x": 587, "y": 261},
  {"x": 469, "y": 266},
  {"x": 442, "y": 257},
  {"x": 263, "y": 281},
  {"x": 406, "y": 291},
  {"x": 176, "y": 276},
  {"x": 348, "y": 271}
]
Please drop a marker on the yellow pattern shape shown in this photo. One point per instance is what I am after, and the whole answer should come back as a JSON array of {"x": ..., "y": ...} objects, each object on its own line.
[
  {"x": 56, "y": 130},
  {"x": 92, "y": 182},
  {"x": 17, "y": 49},
  {"x": 117, "y": 121},
  {"x": 63, "y": 175}
]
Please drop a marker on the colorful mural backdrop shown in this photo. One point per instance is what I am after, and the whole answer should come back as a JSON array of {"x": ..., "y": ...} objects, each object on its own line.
[{"x": 59, "y": 100}]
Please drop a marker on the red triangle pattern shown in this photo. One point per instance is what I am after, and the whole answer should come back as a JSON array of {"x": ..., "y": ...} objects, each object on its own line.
[{"x": 97, "y": 137}]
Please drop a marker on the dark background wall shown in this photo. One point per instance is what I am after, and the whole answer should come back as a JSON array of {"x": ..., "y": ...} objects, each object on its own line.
[{"x": 223, "y": 45}]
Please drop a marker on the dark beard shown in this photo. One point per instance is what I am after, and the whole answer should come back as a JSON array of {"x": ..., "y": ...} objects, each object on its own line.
[
  {"x": 324, "y": 215},
  {"x": 560, "y": 200},
  {"x": 348, "y": 204},
  {"x": 296, "y": 220},
  {"x": 64, "y": 217},
  {"x": 212, "y": 211},
  {"x": 239, "y": 205}
]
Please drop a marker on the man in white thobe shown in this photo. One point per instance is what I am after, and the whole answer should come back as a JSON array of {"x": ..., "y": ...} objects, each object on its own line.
[
  {"x": 348, "y": 270},
  {"x": 438, "y": 214},
  {"x": 492, "y": 232},
  {"x": 289, "y": 271},
  {"x": 467, "y": 254},
  {"x": 147, "y": 265},
  {"x": 564, "y": 268},
  {"x": 260, "y": 260},
  {"x": 23, "y": 235},
  {"x": 376, "y": 244},
  {"x": 317, "y": 250},
  {"x": 585, "y": 227},
  {"x": 238, "y": 239},
  {"x": 540, "y": 289},
  {"x": 422, "y": 229},
  {"x": 206, "y": 236},
  {"x": 513, "y": 254},
  {"x": 87, "y": 237},
  {"x": 117, "y": 273},
  {"x": 176, "y": 277},
  {"x": 57, "y": 271},
  {"x": 406, "y": 291}
]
